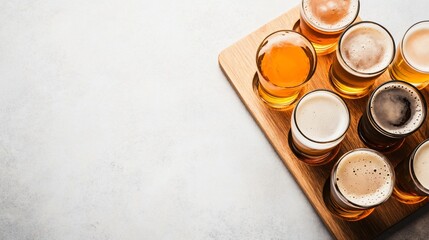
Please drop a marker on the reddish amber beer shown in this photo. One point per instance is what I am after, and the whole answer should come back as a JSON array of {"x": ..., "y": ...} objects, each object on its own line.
[{"x": 323, "y": 21}]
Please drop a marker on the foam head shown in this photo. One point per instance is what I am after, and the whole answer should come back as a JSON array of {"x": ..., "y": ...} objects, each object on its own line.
[
  {"x": 398, "y": 108},
  {"x": 421, "y": 165},
  {"x": 415, "y": 46},
  {"x": 366, "y": 47},
  {"x": 330, "y": 15},
  {"x": 322, "y": 116},
  {"x": 364, "y": 177}
]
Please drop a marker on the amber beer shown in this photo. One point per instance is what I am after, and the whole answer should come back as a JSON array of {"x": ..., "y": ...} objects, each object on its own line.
[
  {"x": 323, "y": 21},
  {"x": 412, "y": 185},
  {"x": 394, "y": 111},
  {"x": 361, "y": 180},
  {"x": 365, "y": 50},
  {"x": 411, "y": 63},
  {"x": 285, "y": 61}
]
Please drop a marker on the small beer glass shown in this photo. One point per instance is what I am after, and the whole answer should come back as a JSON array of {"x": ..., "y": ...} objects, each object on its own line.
[
  {"x": 285, "y": 62},
  {"x": 394, "y": 111},
  {"x": 365, "y": 51},
  {"x": 412, "y": 183},
  {"x": 319, "y": 123},
  {"x": 323, "y": 21},
  {"x": 361, "y": 180},
  {"x": 411, "y": 63}
]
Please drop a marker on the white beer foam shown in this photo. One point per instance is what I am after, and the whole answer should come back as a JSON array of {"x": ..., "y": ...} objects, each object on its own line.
[
  {"x": 415, "y": 46},
  {"x": 364, "y": 178},
  {"x": 322, "y": 116},
  {"x": 281, "y": 39},
  {"x": 367, "y": 48},
  {"x": 421, "y": 165},
  {"x": 317, "y": 10},
  {"x": 390, "y": 107}
]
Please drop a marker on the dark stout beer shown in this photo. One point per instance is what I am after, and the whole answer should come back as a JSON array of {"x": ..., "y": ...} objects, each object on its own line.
[{"x": 395, "y": 110}]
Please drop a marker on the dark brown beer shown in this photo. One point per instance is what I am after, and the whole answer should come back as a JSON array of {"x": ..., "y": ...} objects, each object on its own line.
[{"x": 395, "y": 110}]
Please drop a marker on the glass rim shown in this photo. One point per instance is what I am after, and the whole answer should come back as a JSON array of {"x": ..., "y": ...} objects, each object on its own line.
[
  {"x": 411, "y": 168},
  {"x": 402, "y": 46},
  {"x": 366, "y": 74},
  {"x": 329, "y": 30},
  {"x": 341, "y": 195},
  {"x": 307, "y": 42},
  {"x": 378, "y": 127},
  {"x": 339, "y": 98}
]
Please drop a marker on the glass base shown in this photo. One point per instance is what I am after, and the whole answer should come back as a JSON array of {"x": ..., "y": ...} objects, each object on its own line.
[
  {"x": 320, "y": 49},
  {"x": 278, "y": 103},
  {"x": 344, "y": 214},
  {"x": 324, "y": 49},
  {"x": 312, "y": 160},
  {"x": 407, "y": 198},
  {"x": 381, "y": 148},
  {"x": 345, "y": 91}
]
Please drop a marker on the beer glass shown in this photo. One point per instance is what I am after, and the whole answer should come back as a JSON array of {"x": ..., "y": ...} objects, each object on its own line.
[
  {"x": 361, "y": 180},
  {"x": 411, "y": 63},
  {"x": 285, "y": 61},
  {"x": 365, "y": 51},
  {"x": 412, "y": 183},
  {"x": 395, "y": 110},
  {"x": 323, "y": 21},
  {"x": 318, "y": 125}
]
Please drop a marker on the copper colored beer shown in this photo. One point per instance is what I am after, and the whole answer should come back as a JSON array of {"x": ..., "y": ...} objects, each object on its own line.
[
  {"x": 323, "y": 21},
  {"x": 285, "y": 62}
]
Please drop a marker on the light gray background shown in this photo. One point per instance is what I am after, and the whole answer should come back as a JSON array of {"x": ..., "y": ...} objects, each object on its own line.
[{"x": 117, "y": 123}]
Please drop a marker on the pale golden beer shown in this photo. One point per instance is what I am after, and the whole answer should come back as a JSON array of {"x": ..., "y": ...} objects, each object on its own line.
[
  {"x": 323, "y": 21},
  {"x": 411, "y": 63},
  {"x": 285, "y": 62},
  {"x": 319, "y": 123},
  {"x": 365, "y": 51},
  {"x": 412, "y": 183},
  {"x": 361, "y": 180}
]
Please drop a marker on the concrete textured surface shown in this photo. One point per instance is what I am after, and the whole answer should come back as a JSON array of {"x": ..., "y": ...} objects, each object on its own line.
[{"x": 117, "y": 123}]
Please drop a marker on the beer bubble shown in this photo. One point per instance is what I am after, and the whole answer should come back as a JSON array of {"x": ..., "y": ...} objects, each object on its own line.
[{"x": 364, "y": 188}]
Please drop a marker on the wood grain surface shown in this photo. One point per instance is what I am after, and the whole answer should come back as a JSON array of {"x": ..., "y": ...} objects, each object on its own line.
[{"x": 238, "y": 64}]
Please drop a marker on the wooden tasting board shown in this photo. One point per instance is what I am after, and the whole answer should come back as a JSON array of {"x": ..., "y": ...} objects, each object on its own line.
[{"x": 238, "y": 64}]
